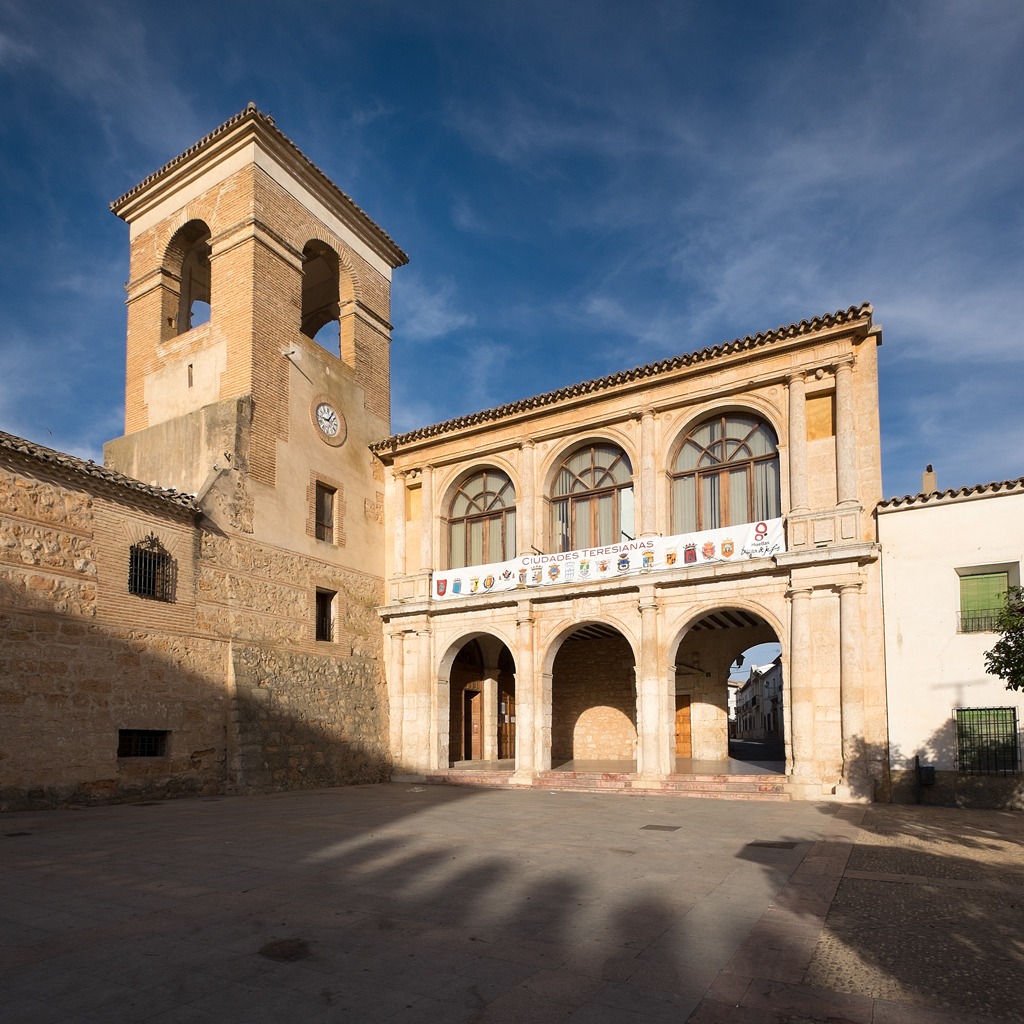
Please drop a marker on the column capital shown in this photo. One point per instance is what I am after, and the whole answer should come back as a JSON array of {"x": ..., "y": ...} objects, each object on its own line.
[
  {"x": 799, "y": 592},
  {"x": 849, "y": 587},
  {"x": 796, "y": 377}
]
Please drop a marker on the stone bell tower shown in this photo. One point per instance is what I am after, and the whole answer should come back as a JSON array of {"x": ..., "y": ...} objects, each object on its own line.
[{"x": 258, "y": 340}]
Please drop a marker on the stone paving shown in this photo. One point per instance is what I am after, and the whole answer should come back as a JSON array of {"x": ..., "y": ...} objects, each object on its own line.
[{"x": 406, "y": 903}]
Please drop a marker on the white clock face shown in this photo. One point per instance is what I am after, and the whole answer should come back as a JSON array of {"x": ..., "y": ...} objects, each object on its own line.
[{"x": 327, "y": 420}]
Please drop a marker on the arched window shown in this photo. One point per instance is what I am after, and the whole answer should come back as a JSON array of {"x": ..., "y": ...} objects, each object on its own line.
[
  {"x": 482, "y": 520},
  {"x": 320, "y": 295},
  {"x": 191, "y": 246},
  {"x": 726, "y": 473},
  {"x": 592, "y": 500}
]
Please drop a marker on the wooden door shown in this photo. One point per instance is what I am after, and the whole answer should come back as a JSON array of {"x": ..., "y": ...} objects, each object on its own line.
[
  {"x": 472, "y": 702},
  {"x": 683, "y": 746},
  {"x": 506, "y": 723}
]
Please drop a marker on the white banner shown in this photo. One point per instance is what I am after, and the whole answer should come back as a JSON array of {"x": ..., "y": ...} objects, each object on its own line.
[{"x": 630, "y": 558}]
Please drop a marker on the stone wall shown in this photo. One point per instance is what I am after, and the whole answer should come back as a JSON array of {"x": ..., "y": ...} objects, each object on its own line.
[
  {"x": 593, "y": 701},
  {"x": 304, "y": 720}
]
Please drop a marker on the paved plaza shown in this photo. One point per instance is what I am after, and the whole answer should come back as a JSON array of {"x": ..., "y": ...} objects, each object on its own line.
[{"x": 409, "y": 903}]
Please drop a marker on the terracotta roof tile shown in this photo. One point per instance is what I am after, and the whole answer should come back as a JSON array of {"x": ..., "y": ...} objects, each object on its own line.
[
  {"x": 751, "y": 341},
  {"x": 953, "y": 494},
  {"x": 163, "y": 495},
  {"x": 267, "y": 122}
]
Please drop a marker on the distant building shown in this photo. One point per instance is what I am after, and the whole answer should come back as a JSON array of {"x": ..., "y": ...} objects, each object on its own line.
[{"x": 759, "y": 704}]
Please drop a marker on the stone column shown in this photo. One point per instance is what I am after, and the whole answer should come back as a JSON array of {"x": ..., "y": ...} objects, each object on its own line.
[
  {"x": 527, "y": 716},
  {"x": 654, "y": 696},
  {"x": 846, "y": 439},
  {"x": 800, "y": 716},
  {"x": 394, "y": 496},
  {"x": 647, "y": 523},
  {"x": 851, "y": 679},
  {"x": 396, "y": 695},
  {"x": 489, "y": 715},
  {"x": 418, "y": 724},
  {"x": 797, "y": 443},
  {"x": 526, "y": 501},
  {"x": 427, "y": 519}
]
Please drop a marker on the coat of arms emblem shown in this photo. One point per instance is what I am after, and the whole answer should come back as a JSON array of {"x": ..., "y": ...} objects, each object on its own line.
[
  {"x": 442, "y": 586},
  {"x": 728, "y": 548}
]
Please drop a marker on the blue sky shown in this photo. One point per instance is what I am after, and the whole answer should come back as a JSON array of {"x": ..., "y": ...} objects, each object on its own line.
[{"x": 581, "y": 186}]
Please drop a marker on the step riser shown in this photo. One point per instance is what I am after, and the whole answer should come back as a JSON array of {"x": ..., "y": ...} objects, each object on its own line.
[{"x": 694, "y": 787}]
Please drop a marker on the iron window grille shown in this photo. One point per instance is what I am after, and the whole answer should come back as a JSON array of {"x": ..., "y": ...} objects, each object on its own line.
[
  {"x": 152, "y": 572},
  {"x": 324, "y": 615},
  {"x": 142, "y": 742},
  {"x": 987, "y": 741},
  {"x": 978, "y": 622}
]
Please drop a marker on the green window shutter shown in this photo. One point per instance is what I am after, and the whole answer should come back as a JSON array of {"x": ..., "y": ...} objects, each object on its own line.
[{"x": 982, "y": 593}]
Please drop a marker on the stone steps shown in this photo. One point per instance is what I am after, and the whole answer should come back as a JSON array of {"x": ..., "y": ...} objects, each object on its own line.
[{"x": 700, "y": 786}]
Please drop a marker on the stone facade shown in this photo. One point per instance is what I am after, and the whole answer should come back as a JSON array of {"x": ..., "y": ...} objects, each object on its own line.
[
  {"x": 813, "y": 389},
  {"x": 264, "y": 668},
  {"x": 251, "y": 593}
]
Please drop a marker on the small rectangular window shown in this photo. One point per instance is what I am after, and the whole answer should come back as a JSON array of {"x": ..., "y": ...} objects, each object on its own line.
[
  {"x": 325, "y": 614},
  {"x": 981, "y": 599},
  {"x": 324, "y": 514},
  {"x": 987, "y": 741},
  {"x": 152, "y": 572},
  {"x": 142, "y": 742}
]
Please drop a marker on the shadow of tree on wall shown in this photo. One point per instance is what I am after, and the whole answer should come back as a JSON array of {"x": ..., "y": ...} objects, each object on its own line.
[
  {"x": 950, "y": 787},
  {"x": 68, "y": 684}
]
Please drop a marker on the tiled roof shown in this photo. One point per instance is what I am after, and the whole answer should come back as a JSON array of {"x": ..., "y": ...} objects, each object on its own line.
[
  {"x": 751, "y": 341},
  {"x": 953, "y": 494},
  {"x": 163, "y": 495},
  {"x": 267, "y": 122}
]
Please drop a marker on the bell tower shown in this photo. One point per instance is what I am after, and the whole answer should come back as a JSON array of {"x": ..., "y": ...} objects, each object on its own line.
[{"x": 258, "y": 336}]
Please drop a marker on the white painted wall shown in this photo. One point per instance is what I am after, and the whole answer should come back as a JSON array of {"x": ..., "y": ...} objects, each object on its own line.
[{"x": 930, "y": 668}]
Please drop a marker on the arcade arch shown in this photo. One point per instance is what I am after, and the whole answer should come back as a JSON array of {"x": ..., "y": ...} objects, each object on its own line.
[
  {"x": 593, "y": 697},
  {"x": 706, "y": 652},
  {"x": 482, "y": 697}
]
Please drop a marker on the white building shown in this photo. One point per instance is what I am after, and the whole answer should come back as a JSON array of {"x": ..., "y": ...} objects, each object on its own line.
[{"x": 946, "y": 560}]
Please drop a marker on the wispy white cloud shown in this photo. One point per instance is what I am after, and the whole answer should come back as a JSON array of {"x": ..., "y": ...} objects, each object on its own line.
[{"x": 426, "y": 310}]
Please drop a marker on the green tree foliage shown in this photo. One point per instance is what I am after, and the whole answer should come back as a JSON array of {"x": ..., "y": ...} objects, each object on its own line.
[{"x": 1006, "y": 659}]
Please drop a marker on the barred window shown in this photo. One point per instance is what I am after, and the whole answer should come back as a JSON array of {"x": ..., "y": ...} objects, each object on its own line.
[
  {"x": 152, "y": 572},
  {"x": 987, "y": 741},
  {"x": 325, "y": 614},
  {"x": 142, "y": 742}
]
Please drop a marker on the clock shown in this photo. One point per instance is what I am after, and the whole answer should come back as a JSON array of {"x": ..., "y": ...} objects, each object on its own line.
[{"x": 329, "y": 422}]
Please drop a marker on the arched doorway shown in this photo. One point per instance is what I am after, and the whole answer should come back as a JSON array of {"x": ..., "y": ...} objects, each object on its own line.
[
  {"x": 704, "y": 661},
  {"x": 757, "y": 730},
  {"x": 593, "y": 699},
  {"x": 482, "y": 711}
]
